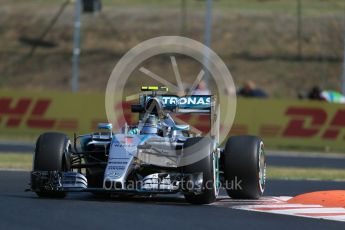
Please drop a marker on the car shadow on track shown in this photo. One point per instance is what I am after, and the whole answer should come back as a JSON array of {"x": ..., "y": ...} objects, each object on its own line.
[{"x": 159, "y": 200}]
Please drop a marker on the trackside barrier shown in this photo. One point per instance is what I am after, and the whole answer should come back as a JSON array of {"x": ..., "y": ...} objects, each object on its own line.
[{"x": 281, "y": 123}]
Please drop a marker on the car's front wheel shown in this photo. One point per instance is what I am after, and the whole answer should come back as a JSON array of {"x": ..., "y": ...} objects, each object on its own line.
[
  {"x": 244, "y": 167},
  {"x": 51, "y": 154},
  {"x": 206, "y": 166}
]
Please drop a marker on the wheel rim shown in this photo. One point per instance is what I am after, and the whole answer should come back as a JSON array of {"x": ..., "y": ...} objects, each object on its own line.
[{"x": 262, "y": 167}]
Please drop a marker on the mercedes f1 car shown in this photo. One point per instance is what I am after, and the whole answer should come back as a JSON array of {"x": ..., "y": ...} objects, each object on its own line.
[{"x": 155, "y": 156}]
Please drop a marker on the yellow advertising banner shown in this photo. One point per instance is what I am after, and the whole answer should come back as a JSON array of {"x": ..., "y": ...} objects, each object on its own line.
[
  {"x": 23, "y": 113},
  {"x": 293, "y": 123},
  {"x": 281, "y": 123}
]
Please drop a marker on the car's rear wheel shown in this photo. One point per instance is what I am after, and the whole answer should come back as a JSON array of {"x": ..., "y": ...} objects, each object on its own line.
[
  {"x": 51, "y": 154},
  {"x": 244, "y": 167},
  {"x": 206, "y": 166}
]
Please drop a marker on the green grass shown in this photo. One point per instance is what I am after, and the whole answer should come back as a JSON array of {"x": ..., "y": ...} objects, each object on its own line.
[
  {"x": 283, "y": 6},
  {"x": 292, "y": 173},
  {"x": 16, "y": 161}
]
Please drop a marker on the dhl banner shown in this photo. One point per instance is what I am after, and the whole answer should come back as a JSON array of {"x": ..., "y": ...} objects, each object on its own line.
[
  {"x": 281, "y": 123},
  {"x": 293, "y": 123},
  {"x": 23, "y": 113}
]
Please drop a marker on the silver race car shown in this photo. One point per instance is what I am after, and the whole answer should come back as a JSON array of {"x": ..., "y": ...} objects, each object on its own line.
[{"x": 155, "y": 156}]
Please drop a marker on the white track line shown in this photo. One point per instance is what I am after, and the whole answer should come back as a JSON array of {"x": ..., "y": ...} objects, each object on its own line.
[{"x": 279, "y": 205}]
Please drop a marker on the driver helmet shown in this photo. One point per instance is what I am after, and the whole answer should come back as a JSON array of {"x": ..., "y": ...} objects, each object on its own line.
[{"x": 149, "y": 126}]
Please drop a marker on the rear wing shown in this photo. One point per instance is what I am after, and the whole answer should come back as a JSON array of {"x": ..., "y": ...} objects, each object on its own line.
[
  {"x": 176, "y": 104},
  {"x": 187, "y": 104},
  {"x": 202, "y": 104}
]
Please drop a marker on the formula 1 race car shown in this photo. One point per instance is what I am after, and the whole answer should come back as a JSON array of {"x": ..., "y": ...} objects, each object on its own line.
[{"x": 156, "y": 156}]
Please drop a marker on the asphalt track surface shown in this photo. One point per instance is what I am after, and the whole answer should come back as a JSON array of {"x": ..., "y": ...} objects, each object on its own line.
[
  {"x": 23, "y": 210},
  {"x": 306, "y": 161},
  {"x": 284, "y": 160},
  {"x": 16, "y": 147}
]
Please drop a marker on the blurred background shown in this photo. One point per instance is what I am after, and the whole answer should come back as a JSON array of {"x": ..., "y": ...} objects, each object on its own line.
[
  {"x": 285, "y": 46},
  {"x": 57, "y": 56}
]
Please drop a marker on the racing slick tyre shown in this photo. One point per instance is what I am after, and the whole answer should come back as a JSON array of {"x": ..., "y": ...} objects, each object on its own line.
[
  {"x": 51, "y": 154},
  {"x": 205, "y": 166},
  {"x": 244, "y": 167}
]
